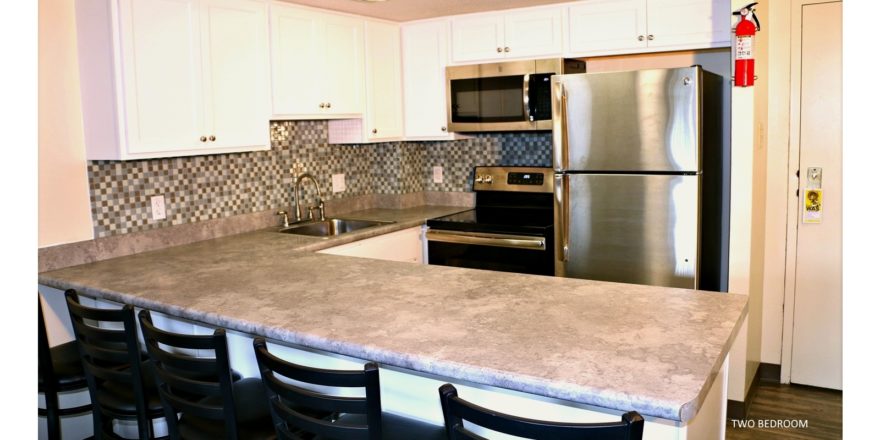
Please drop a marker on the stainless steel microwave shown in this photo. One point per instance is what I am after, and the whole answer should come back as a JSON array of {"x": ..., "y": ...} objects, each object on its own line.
[{"x": 507, "y": 96}]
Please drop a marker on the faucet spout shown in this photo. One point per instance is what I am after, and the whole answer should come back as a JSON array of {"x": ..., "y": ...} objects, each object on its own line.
[{"x": 320, "y": 207}]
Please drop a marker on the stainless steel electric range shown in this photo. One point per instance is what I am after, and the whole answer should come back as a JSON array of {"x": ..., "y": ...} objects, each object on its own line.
[{"x": 510, "y": 229}]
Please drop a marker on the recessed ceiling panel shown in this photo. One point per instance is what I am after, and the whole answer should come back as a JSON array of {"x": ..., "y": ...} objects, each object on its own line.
[{"x": 406, "y": 10}]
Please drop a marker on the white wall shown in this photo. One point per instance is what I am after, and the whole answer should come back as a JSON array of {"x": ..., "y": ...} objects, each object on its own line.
[
  {"x": 64, "y": 209},
  {"x": 779, "y": 81}
]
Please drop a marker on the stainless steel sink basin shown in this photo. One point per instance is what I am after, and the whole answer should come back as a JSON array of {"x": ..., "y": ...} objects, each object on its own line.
[{"x": 331, "y": 227}]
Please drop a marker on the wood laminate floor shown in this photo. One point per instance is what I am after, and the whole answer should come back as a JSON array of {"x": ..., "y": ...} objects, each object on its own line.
[{"x": 794, "y": 406}]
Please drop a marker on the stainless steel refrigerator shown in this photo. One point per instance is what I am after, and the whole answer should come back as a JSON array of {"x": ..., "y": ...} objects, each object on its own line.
[{"x": 638, "y": 164}]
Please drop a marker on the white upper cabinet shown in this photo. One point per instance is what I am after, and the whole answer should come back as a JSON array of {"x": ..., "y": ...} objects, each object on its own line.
[
  {"x": 604, "y": 27},
  {"x": 425, "y": 52},
  {"x": 525, "y": 33},
  {"x": 296, "y": 61},
  {"x": 166, "y": 78},
  {"x": 477, "y": 38},
  {"x": 317, "y": 64},
  {"x": 384, "y": 96},
  {"x": 343, "y": 65},
  {"x": 237, "y": 77},
  {"x": 533, "y": 33},
  {"x": 383, "y": 118},
  {"x": 688, "y": 23}
]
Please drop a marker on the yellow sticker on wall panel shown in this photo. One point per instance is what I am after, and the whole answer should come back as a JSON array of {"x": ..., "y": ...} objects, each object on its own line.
[{"x": 813, "y": 206}]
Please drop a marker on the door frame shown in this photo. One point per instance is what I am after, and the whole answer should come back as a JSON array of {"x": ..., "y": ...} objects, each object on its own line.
[{"x": 793, "y": 205}]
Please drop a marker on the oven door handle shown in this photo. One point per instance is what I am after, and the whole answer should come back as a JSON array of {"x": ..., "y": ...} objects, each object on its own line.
[{"x": 487, "y": 239}]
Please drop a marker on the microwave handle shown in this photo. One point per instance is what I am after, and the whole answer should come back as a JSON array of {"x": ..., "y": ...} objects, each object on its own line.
[{"x": 527, "y": 108}]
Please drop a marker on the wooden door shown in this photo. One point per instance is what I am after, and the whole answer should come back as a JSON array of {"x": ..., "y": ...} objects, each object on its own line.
[
  {"x": 162, "y": 74},
  {"x": 236, "y": 73},
  {"x": 813, "y": 278}
]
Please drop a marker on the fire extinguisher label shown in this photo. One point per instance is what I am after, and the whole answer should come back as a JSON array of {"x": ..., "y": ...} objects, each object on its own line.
[{"x": 744, "y": 48}]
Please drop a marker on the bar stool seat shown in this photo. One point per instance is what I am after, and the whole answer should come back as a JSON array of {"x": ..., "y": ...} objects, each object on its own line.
[
  {"x": 251, "y": 413},
  {"x": 69, "y": 373},
  {"x": 395, "y": 427}
]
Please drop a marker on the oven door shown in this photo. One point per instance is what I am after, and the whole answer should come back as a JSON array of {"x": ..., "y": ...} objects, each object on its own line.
[{"x": 532, "y": 254}]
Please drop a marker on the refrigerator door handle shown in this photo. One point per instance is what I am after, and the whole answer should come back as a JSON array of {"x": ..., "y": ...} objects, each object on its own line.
[
  {"x": 560, "y": 128},
  {"x": 560, "y": 198}
]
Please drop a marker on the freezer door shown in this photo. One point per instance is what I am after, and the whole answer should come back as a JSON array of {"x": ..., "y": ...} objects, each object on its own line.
[
  {"x": 640, "y": 229},
  {"x": 645, "y": 120}
]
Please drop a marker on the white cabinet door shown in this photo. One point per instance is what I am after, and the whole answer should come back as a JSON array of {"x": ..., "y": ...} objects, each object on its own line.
[
  {"x": 406, "y": 246},
  {"x": 384, "y": 101},
  {"x": 161, "y": 73},
  {"x": 297, "y": 61},
  {"x": 604, "y": 26},
  {"x": 478, "y": 38},
  {"x": 425, "y": 55},
  {"x": 688, "y": 23},
  {"x": 533, "y": 33},
  {"x": 343, "y": 70},
  {"x": 317, "y": 64},
  {"x": 236, "y": 77}
]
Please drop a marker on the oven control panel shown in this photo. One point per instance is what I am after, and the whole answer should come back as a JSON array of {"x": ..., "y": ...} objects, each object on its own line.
[{"x": 515, "y": 179}]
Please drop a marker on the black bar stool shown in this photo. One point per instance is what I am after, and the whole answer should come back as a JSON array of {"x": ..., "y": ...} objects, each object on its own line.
[
  {"x": 356, "y": 418},
  {"x": 120, "y": 380},
  {"x": 212, "y": 405},
  {"x": 60, "y": 371},
  {"x": 456, "y": 409}
]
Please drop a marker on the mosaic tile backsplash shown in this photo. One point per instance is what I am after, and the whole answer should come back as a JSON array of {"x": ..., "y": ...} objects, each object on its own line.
[{"x": 201, "y": 188}]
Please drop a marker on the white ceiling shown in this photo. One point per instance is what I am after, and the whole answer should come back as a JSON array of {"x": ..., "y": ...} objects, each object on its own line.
[{"x": 406, "y": 10}]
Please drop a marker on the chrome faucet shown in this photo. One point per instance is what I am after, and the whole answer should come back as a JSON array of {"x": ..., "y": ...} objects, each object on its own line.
[{"x": 320, "y": 207}]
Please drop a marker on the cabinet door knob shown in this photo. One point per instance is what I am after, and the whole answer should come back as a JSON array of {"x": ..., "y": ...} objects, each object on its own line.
[
  {"x": 507, "y": 49},
  {"x": 321, "y": 105},
  {"x": 442, "y": 128},
  {"x": 212, "y": 138},
  {"x": 328, "y": 105},
  {"x": 498, "y": 49},
  {"x": 650, "y": 37},
  {"x": 203, "y": 139},
  {"x": 375, "y": 131},
  {"x": 641, "y": 38}
]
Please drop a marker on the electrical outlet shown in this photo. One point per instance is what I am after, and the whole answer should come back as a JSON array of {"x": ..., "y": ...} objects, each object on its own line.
[
  {"x": 339, "y": 182},
  {"x": 438, "y": 174},
  {"x": 158, "y": 207}
]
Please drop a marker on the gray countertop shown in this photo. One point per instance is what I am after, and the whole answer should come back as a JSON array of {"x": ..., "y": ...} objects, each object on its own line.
[{"x": 619, "y": 346}]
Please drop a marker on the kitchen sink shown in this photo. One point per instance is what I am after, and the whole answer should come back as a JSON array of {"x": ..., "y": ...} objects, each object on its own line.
[{"x": 331, "y": 227}]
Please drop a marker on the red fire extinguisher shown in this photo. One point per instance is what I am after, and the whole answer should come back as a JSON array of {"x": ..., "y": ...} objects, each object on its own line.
[{"x": 744, "y": 65}]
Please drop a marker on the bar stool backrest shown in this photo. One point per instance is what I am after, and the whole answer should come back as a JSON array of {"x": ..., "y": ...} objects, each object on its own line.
[
  {"x": 197, "y": 386},
  {"x": 287, "y": 401},
  {"x": 456, "y": 409}
]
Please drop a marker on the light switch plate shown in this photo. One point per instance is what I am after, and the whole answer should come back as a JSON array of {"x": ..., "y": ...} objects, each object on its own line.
[
  {"x": 157, "y": 204},
  {"x": 339, "y": 182},
  {"x": 438, "y": 174}
]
